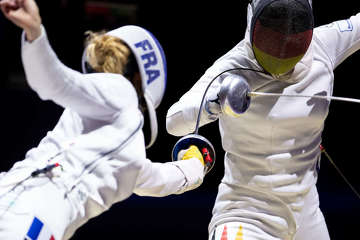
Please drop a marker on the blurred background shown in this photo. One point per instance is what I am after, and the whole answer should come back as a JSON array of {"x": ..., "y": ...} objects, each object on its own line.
[{"x": 193, "y": 34}]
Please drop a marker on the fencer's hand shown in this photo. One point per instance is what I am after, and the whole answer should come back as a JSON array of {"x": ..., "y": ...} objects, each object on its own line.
[
  {"x": 191, "y": 152},
  {"x": 233, "y": 96},
  {"x": 212, "y": 104},
  {"x": 25, "y": 14},
  {"x": 193, "y": 171}
]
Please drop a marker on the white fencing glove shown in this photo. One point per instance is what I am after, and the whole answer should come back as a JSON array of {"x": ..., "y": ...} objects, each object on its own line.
[
  {"x": 191, "y": 163},
  {"x": 212, "y": 104}
]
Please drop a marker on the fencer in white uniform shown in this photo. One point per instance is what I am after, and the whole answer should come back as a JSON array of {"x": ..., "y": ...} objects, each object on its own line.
[
  {"x": 95, "y": 156},
  {"x": 272, "y": 149}
]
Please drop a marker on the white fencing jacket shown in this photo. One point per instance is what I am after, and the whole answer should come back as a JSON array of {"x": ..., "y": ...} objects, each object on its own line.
[
  {"x": 272, "y": 149},
  {"x": 98, "y": 140}
]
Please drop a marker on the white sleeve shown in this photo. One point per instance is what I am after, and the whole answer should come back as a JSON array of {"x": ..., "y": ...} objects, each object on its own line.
[
  {"x": 98, "y": 95},
  {"x": 340, "y": 39},
  {"x": 182, "y": 116},
  {"x": 163, "y": 179}
]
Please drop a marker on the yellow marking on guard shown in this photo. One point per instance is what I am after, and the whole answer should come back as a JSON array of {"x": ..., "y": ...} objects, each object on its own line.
[{"x": 230, "y": 112}]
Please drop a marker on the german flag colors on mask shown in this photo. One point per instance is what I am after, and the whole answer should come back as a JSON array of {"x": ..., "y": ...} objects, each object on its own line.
[{"x": 281, "y": 33}]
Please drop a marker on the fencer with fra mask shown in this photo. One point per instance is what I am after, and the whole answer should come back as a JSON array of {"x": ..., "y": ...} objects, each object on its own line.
[
  {"x": 271, "y": 143},
  {"x": 95, "y": 156}
]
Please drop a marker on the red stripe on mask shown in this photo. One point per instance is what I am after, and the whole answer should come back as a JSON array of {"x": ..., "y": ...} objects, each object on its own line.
[{"x": 280, "y": 45}]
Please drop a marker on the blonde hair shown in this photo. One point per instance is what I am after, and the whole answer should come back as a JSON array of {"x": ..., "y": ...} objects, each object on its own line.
[{"x": 106, "y": 53}]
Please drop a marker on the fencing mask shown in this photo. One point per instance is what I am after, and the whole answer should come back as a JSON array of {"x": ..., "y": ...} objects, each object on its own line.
[
  {"x": 151, "y": 62},
  {"x": 281, "y": 32}
]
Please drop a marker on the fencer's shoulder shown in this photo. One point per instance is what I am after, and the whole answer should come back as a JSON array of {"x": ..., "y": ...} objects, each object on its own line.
[
  {"x": 341, "y": 26},
  {"x": 114, "y": 88},
  {"x": 112, "y": 83},
  {"x": 240, "y": 55}
]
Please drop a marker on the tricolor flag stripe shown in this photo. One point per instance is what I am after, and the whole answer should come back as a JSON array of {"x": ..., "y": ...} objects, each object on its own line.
[
  {"x": 34, "y": 229},
  {"x": 273, "y": 64},
  {"x": 292, "y": 45},
  {"x": 38, "y": 231},
  {"x": 239, "y": 234},
  {"x": 224, "y": 234}
]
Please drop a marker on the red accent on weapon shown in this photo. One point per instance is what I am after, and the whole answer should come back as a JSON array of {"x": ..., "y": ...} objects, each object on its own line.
[
  {"x": 206, "y": 155},
  {"x": 321, "y": 148}
]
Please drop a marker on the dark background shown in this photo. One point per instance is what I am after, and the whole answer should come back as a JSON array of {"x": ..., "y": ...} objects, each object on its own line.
[{"x": 193, "y": 35}]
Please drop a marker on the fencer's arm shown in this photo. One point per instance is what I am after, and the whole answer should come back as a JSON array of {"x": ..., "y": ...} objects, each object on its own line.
[
  {"x": 97, "y": 95},
  {"x": 163, "y": 179},
  {"x": 340, "y": 39},
  {"x": 182, "y": 116}
]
